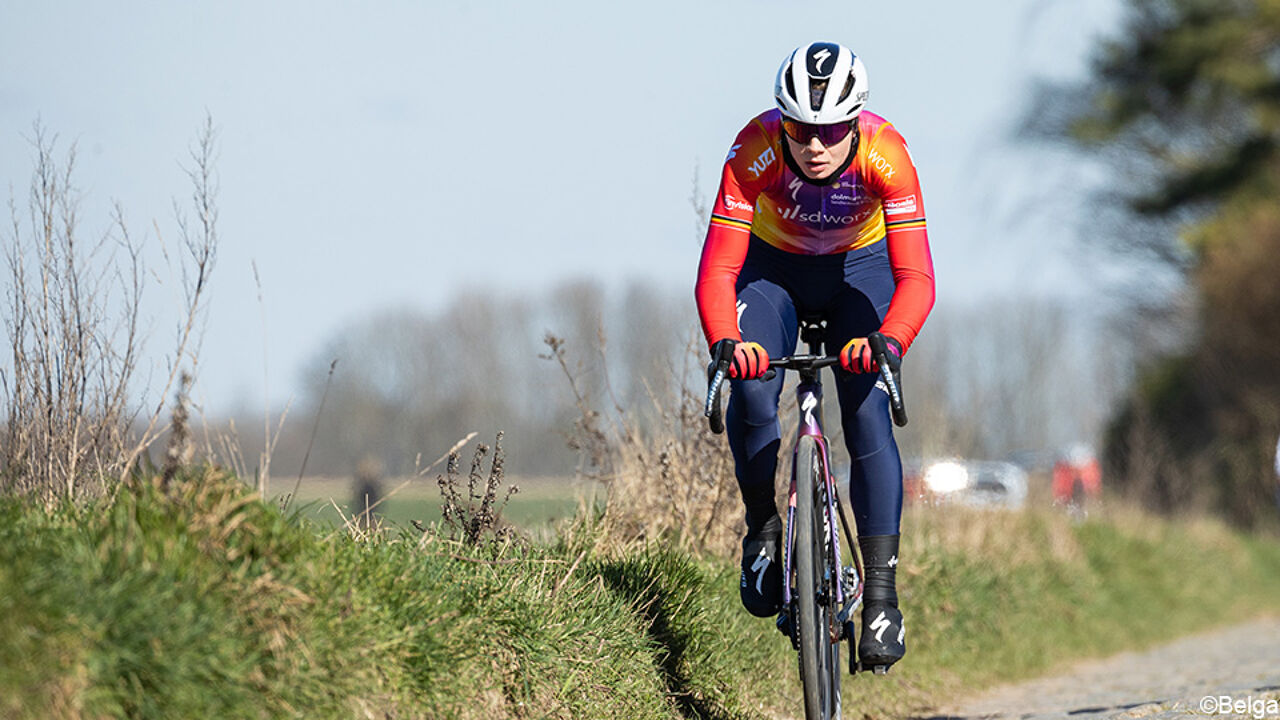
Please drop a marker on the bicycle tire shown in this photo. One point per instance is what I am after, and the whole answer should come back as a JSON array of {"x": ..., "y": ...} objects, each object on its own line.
[{"x": 819, "y": 657}]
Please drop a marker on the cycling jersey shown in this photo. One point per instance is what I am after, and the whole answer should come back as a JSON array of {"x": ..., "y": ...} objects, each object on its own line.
[{"x": 763, "y": 193}]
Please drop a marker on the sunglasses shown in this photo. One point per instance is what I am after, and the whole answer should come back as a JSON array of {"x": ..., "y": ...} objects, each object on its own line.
[{"x": 828, "y": 135}]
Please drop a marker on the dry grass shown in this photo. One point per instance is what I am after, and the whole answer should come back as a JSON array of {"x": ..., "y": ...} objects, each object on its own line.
[{"x": 667, "y": 477}]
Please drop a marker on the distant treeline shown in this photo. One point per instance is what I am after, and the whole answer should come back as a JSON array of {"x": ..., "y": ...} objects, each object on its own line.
[{"x": 986, "y": 379}]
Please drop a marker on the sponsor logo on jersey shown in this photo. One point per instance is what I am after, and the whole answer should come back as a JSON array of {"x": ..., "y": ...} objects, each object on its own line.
[
  {"x": 794, "y": 213},
  {"x": 794, "y": 186},
  {"x": 877, "y": 161},
  {"x": 901, "y": 206},
  {"x": 848, "y": 199},
  {"x": 733, "y": 152},
  {"x": 733, "y": 203},
  {"x": 763, "y": 161}
]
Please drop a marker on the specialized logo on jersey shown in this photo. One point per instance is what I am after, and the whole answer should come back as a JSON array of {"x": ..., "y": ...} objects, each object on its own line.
[
  {"x": 794, "y": 186},
  {"x": 763, "y": 161},
  {"x": 821, "y": 60},
  {"x": 733, "y": 152}
]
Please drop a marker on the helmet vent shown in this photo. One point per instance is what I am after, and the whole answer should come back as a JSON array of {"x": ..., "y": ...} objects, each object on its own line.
[
  {"x": 817, "y": 90},
  {"x": 848, "y": 88}
]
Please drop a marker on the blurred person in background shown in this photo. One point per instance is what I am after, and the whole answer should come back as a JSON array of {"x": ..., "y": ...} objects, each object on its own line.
[
  {"x": 1077, "y": 478},
  {"x": 819, "y": 213}
]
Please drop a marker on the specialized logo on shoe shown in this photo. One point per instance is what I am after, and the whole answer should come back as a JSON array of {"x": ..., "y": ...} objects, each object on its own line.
[
  {"x": 879, "y": 625},
  {"x": 902, "y": 633},
  {"x": 759, "y": 566},
  {"x": 742, "y": 307},
  {"x": 893, "y": 561}
]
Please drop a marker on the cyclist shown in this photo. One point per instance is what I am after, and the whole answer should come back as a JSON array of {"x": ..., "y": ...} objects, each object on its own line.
[{"x": 819, "y": 212}]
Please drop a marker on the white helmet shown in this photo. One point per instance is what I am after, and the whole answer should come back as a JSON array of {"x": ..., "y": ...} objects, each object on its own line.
[{"x": 821, "y": 83}]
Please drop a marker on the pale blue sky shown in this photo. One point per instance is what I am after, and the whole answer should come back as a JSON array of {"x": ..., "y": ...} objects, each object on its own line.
[{"x": 392, "y": 153}]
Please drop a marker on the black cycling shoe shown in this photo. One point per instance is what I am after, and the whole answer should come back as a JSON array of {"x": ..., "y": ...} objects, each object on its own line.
[
  {"x": 761, "y": 585},
  {"x": 883, "y": 638}
]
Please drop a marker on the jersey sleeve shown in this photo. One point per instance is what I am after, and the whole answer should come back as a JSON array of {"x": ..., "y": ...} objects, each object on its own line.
[
  {"x": 746, "y": 171},
  {"x": 892, "y": 173}
]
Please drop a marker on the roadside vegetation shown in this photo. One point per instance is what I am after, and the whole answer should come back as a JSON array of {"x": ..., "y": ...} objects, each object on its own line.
[
  {"x": 204, "y": 601},
  {"x": 1183, "y": 104}
]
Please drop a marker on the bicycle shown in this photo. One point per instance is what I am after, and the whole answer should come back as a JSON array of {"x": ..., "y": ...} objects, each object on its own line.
[{"x": 819, "y": 593}]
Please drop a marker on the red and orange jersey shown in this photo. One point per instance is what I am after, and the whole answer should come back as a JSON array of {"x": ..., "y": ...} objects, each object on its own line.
[
  {"x": 760, "y": 194},
  {"x": 763, "y": 193}
]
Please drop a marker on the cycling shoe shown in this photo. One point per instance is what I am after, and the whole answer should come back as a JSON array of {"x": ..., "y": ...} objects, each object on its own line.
[{"x": 761, "y": 581}]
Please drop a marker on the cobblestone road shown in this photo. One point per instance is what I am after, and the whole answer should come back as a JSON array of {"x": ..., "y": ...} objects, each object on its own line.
[{"x": 1242, "y": 662}]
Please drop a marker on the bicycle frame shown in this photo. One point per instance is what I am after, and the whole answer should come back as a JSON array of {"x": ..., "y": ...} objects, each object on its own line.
[{"x": 809, "y": 400}]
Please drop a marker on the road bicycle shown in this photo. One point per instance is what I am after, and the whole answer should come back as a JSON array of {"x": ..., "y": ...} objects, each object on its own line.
[{"x": 819, "y": 592}]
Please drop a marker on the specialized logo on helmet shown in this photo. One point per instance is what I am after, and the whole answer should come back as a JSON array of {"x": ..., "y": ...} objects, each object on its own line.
[{"x": 821, "y": 59}]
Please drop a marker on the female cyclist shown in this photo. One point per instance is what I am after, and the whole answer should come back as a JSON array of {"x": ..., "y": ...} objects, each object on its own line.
[{"x": 819, "y": 213}]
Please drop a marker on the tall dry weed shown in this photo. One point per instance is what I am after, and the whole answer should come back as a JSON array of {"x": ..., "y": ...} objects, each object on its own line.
[
  {"x": 666, "y": 476},
  {"x": 477, "y": 516},
  {"x": 72, "y": 320}
]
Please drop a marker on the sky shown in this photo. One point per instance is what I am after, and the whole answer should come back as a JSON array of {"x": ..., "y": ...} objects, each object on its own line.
[{"x": 393, "y": 154}]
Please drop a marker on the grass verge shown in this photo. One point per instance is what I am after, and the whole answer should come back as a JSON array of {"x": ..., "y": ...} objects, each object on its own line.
[{"x": 205, "y": 602}]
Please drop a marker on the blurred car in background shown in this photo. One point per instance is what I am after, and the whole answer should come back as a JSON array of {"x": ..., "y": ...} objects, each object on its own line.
[{"x": 977, "y": 483}]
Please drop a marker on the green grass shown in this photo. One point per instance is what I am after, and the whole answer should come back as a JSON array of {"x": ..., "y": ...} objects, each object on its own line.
[
  {"x": 539, "y": 505},
  {"x": 209, "y": 603}
]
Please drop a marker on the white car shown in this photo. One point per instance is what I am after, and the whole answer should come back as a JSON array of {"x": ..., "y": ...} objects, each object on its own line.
[{"x": 980, "y": 483}]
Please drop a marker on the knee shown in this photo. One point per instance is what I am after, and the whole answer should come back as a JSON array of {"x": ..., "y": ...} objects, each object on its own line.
[
  {"x": 868, "y": 429},
  {"x": 755, "y": 402}
]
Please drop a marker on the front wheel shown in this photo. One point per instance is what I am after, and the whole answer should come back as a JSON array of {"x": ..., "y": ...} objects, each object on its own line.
[{"x": 819, "y": 648}]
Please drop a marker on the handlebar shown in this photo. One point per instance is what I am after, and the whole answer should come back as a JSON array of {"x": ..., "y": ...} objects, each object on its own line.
[
  {"x": 718, "y": 370},
  {"x": 880, "y": 353}
]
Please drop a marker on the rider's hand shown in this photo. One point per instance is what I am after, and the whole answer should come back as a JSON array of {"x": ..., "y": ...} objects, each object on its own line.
[
  {"x": 856, "y": 356},
  {"x": 750, "y": 361}
]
